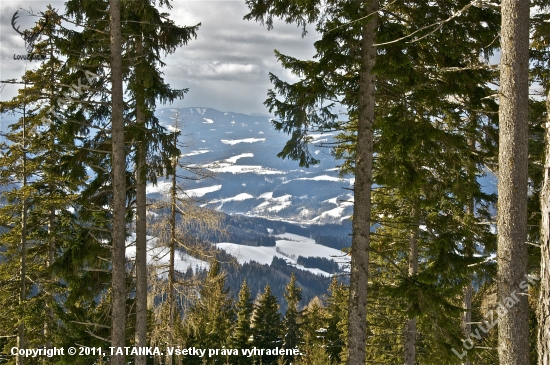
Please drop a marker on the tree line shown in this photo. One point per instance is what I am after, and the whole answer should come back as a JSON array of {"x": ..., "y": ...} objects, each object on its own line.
[
  {"x": 426, "y": 117},
  {"x": 216, "y": 321}
]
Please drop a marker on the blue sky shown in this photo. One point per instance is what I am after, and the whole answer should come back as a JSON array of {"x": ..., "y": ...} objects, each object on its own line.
[{"x": 225, "y": 68}]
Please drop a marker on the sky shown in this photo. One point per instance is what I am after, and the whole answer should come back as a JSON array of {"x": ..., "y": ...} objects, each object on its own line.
[{"x": 225, "y": 68}]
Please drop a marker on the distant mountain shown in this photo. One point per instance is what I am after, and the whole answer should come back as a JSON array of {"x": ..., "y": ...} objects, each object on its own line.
[{"x": 250, "y": 179}]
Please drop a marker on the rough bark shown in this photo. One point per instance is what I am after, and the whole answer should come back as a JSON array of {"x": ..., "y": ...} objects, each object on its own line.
[
  {"x": 49, "y": 263},
  {"x": 23, "y": 249},
  {"x": 513, "y": 336},
  {"x": 118, "y": 309},
  {"x": 469, "y": 248},
  {"x": 171, "y": 269},
  {"x": 141, "y": 230},
  {"x": 410, "y": 327},
  {"x": 467, "y": 315},
  {"x": 543, "y": 313},
  {"x": 52, "y": 219},
  {"x": 357, "y": 327}
]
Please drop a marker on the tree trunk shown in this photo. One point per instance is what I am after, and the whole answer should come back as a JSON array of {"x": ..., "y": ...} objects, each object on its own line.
[
  {"x": 357, "y": 323},
  {"x": 469, "y": 243},
  {"x": 543, "y": 313},
  {"x": 171, "y": 273},
  {"x": 410, "y": 327},
  {"x": 49, "y": 262},
  {"x": 52, "y": 217},
  {"x": 513, "y": 336},
  {"x": 141, "y": 227},
  {"x": 23, "y": 250},
  {"x": 118, "y": 309}
]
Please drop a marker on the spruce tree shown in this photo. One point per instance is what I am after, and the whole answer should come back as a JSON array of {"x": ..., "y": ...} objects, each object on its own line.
[
  {"x": 118, "y": 312},
  {"x": 540, "y": 178},
  {"x": 146, "y": 85},
  {"x": 513, "y": 328},
  {"x": 267, "y": 325},
  {"x": 337, "y": 320},
  {"x": 39, "y": 192},
  {"x": 314, "y": 334},
  {"x": 292, "y": 321},
  {"x": 242, "y": 332},
  {"x": 418, "y": 134},
  {"x": 298, "y": 115},
  {"x": 208, "y": 323}
]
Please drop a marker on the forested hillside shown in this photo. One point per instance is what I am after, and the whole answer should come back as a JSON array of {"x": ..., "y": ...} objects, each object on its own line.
[{"x": 393, "y": 208}]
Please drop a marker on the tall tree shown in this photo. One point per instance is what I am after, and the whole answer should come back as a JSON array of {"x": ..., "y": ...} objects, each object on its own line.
[
  {"x": 242, "y": 332},
  {"x": 152, "y": 147},
  {"x": 208, "y": 322},
  {"x": 292, "y": 322},
  {"x": 360, "y": 246},
  {"x": 544, "y": 297},
  {"x": 541, "y": 176},
  {"x": 513, "y": 327},
  {"x": 337, "y": 320},
  {"x": 118, "y": 312},
  {"x": 298, "y": 116},
  {"x": 267, "y": 325},
  {"x": 37, "y": 194},
  {"x": 313, "y": 346}
]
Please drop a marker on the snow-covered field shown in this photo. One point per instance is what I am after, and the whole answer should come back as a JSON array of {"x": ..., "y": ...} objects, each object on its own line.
[
  {"x": 290, "y": 246},
  {"x": 158, "y": 256}
]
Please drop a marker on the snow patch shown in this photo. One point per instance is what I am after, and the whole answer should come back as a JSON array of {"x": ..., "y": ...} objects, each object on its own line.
[
  {"x": 234, "y": 159},
  {"x": 237, "y": 198},
  {"x": 200, "y": 192},
  {"x": 161, "y": 187},
  {"x": 158, "y": 256},
  {"x": 172, "y": 129},
  {"x": 194, "y": 153},
  {"x": 273, "y": 204},
  {"x": 322, "y": 178},
  {"x": 233, "y": 142}
]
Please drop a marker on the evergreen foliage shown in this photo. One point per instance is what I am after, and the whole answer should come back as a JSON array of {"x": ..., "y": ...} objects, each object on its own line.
[
  {"x": 267, "y": 325},
  {"x": 208, "y": 323},
  {"x": 337, "y": 320},
  {"x": 292, "y": 321},
  {"x": 314, "y": 329},
  {"x": 242, "y": 331},
  {"x": 327, "y": 265},
  {"x": 432, "y": 120}
]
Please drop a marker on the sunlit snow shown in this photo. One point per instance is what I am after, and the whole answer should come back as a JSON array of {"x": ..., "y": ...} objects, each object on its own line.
[
  {"x": 234, "y": 159},
  {"x": 323, "y": 178},
  {"x": 194, "y": 153},
  {"x": 245, "y": 140},
  {"x": 272, "y": 204},
  {"x": 289, "y": 244},
  {"x": 237, "y": 198},
  {"x": 197, "y": 193},
  {"x": 158, "y": 256}
]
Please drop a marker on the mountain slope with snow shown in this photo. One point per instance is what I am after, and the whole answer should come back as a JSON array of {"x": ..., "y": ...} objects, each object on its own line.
[
  {"x": 288, "y": 247},
  {"x": 241, "y": 150}
]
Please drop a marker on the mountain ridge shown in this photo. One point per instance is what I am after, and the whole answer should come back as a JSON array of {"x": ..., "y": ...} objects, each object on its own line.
[{"x": 250, "y": 179}]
